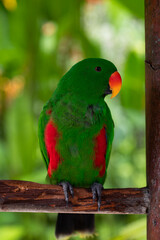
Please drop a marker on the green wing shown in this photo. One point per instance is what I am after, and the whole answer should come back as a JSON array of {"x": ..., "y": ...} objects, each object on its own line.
[
  {"x": 43, "y": 120},
  {"x": 109, "y": 135}
]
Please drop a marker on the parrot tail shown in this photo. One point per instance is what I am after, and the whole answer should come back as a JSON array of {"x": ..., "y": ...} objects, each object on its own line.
[{"x": 68, "y": 223}]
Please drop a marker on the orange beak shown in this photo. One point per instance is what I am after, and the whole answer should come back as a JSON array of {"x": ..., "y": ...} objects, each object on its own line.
[{"x": 115, "y": 83}]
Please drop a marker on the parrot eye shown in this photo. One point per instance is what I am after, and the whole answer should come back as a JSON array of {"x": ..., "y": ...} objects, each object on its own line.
[{"x": 98, "y": 69}]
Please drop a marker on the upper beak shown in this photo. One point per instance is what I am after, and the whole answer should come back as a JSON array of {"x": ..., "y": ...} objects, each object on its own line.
[{"x": 115, "y": 83}]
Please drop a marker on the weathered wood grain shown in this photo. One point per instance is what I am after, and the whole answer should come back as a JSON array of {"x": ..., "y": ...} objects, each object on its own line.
[
  {"x": 22, "y": 196},
  {"x": 152, "y": 26}
]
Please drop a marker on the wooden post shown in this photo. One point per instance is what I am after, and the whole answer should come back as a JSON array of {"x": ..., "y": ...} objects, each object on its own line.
[{"x": 152, "y": 26}]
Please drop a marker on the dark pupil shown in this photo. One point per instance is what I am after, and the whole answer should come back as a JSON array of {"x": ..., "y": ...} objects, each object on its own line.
[{"x": 98, "y": 69}]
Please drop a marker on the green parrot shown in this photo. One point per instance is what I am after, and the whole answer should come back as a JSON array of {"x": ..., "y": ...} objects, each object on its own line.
[{"x": 75, "y": 135}]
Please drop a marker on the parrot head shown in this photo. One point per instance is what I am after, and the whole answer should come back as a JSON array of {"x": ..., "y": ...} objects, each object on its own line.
[{"x": 92, "y": 78}]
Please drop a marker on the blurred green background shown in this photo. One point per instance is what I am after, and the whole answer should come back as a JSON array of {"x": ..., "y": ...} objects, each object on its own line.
[{"x": 39, "y": 41}]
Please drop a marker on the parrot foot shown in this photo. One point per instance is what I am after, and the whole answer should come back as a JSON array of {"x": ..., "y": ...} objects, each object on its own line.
[
  {"x": 96, "y": 191},
  {"x": 67, "y": 187}
]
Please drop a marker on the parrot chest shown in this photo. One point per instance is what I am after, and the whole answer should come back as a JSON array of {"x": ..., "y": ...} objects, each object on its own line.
[{"x": 78, "y": 158}]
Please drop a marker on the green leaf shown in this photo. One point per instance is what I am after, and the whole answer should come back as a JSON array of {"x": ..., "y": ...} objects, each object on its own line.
[
  {"x": 132, "y": 92},
  {"x": 136, "y": 7},
  {"x": 11, "y": 232},
  {"x": 133, "y": 231},
  {"x": 21, "y": 137}
]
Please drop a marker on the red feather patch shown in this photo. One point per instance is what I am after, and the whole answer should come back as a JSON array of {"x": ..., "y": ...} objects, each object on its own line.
[
  {"x": 48, "y": 112},
  {"x": 100, "y": 151},
  {"x": 51, "y": 136}
]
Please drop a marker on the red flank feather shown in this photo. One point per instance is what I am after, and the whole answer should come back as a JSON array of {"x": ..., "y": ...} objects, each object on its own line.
[
  {"x": 100, "y": 152},
  {"x": 51, "y": 136}
]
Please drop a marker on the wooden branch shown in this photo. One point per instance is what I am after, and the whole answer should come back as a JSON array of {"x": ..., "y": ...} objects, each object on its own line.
[
  {"x": 152, "y": 26},
  {"x": 22, "y": 196}
]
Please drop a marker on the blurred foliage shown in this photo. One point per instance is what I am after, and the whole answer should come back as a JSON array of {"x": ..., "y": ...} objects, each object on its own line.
[
  {"x": 39, "y": 41},
  {"x": 132, "y": 7}
]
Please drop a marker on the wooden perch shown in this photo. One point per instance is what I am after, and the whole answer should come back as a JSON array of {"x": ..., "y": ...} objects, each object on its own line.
[{"x": 22, "y": 196}]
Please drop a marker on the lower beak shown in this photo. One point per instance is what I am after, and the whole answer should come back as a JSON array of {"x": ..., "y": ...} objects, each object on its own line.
[{"x": 115, "y": 83}]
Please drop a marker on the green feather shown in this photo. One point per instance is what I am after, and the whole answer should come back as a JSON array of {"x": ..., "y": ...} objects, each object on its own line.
[
  {"x": 43, "y": 120},
  {"x": 78, "y": 124}
]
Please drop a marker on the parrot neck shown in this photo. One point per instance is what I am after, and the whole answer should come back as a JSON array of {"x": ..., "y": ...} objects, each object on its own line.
[
  {"x": 74, "y": 98},
  {"x": 78, "y": 92}
]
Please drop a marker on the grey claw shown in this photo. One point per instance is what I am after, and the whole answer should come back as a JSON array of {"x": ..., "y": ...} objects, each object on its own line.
[
  {"x": 67, "y": 187},
  {"x": 96, "y": 192},
  {"x": 71, "y": 190},
  {"x": 93, "y": 193}
]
